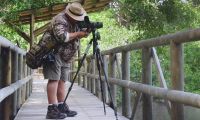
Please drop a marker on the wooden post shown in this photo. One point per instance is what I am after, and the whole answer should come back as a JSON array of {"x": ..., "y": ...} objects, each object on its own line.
[
  {"x": 32, "y": 23},
  {"x": 27, "y": 84},
  {"x": 19, "y": 91},
  {"x": 177, "y": 77},
  {"x": 147, "y": 79},
  {"x": 32, "y": 36},
  {"x": 112, "y": 74},
  {"x": 85, "y": 76},
  {"x": 7, "y": 81},
  {"x": 1, "y": 80},
  {"x": 79, "y": 61},
  {"x": 1, "y": 66},
  {"x": 14, "y": 79},
  {"x": 126, "y": 109},
  {"x": 72, "y": 74},
  {"x": 22, "y": 76},
  {"x": 105, "y": 87},
  {"x": 24, "y": 86},
  {"x": 30, "y": 82},
  {"x": 88, "y": 78},
  {"x": 93, "y": 72},
  {"x": 27, "y": 90}
]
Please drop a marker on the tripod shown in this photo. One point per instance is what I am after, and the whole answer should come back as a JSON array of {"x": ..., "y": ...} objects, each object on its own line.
[{"x": 100, "y": 64}]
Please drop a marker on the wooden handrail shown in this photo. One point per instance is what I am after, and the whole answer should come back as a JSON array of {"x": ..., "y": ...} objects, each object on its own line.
[
  {"x": 5, "y": 43},
  {"x": 180, "y": 37},
  {"x": 177, "y": 97},
  {"x": 16, "y": 82},
  {"x": 7, "y": 91},
  {"x": 187, "y": 98}
]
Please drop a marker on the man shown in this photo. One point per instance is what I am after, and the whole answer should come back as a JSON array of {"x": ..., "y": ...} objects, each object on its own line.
[{"x": 64, "y": 29}]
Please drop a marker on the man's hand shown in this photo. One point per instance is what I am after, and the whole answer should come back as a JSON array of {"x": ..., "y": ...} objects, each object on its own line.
[
  {"x": 82, "y": 34},
  {"x": 78, "y": 35}
]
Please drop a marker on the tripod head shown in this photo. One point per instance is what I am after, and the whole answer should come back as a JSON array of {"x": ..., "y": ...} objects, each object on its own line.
[
  {"x": 89, "y": 25},
  {"x": 92, "y": 26}
]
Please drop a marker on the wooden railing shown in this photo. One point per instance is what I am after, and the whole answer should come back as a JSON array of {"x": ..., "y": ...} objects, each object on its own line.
[
  {"x": 175, "y": 98},
  {"x": 15, "y": 79}
]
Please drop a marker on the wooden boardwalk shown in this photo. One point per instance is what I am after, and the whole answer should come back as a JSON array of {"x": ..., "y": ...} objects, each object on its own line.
[{"x": 86, "y": 104}]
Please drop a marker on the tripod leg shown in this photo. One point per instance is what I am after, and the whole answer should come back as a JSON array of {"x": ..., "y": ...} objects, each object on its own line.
[
  {"x": 79, "y": 67},
  {"x": 106, "y": 79},
  {"x": 101, "y": 82}
]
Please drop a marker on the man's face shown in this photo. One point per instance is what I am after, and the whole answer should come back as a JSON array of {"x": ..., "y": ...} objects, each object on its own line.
[{"x": 73, "y": 21}]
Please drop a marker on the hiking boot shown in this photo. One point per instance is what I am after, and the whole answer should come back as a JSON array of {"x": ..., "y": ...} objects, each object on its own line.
[
  {"x": 64, "y": 108},
  {"x": 54, "y": 113}
]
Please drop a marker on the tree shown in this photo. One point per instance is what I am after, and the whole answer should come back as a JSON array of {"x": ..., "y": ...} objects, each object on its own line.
[{"x": 152, "y": 18}]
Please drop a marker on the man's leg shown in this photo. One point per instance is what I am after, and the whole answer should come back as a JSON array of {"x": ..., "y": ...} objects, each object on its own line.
[
  {"x": 61, "y": 91},
  {"x": 61, "y": 94},
  {"x": 52, "y": 71},
  {"x": 52, "y": 86},
  {"x": 53, "y": 111}
]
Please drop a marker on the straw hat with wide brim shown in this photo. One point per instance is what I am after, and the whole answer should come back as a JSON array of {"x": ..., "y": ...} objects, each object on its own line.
[{"x": 75, "y": 11}]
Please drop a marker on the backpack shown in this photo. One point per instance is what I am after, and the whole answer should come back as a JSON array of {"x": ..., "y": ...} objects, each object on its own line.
[{"x": 37, "y": 54}]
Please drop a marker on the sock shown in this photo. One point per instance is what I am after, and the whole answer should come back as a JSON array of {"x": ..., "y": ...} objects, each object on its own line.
[
  {"x": 60, "y": 103},
  {"x": 52, "y": 104}
]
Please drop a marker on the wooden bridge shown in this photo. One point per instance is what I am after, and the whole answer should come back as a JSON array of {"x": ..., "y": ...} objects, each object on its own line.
[
  {"x": 23, "y": 95},
  {"x": 85, "y": 103}
]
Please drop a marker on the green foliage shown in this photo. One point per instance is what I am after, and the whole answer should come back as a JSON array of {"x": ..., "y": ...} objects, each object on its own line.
[
  {"x": 145, "y": 16},
  {"x": 112, "y": 34},
  {"x": 11, "y": 35},
  {"x": 176, "y": 11},
  {"x": 196, "y": 2},
  {"x": 10, "y": 8},
  {"x": 154, "y": 19},
  {"x": 192, "y": 62},
  {"x": 136, "y": 66}
]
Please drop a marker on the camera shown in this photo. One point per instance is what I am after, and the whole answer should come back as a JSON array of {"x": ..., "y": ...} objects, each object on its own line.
[{"x": 89, "y": 25}]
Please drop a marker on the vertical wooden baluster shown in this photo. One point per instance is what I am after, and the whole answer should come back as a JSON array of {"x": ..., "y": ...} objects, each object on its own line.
[
  {"x": 7, "y": 81},
  {"x": 112, "y": 74},
  {"x": 126, "y": 109},
  {"x": 1, "y": 79},
  {"x": 72, "y": 71},
  {"x": 19, "y": 91},
  {"x": 147, "y": 79},
  {"x": 14, "y": 79},
  {"x": 85, "y": 76},
  {"x": 23, "y": 76},
  {"x": 79, "y": 61},
  {"x": 88, "y": 78},
  {"x": 32, "y": 26},
  {"x": 177, "y": 77},
  {"x": 93, "y": 73},
  {"x": 105, "y": 87}
]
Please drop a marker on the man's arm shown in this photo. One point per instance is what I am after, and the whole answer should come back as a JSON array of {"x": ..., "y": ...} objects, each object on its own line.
[
  {"x": 62, "y": 35},
  {"x": 78, "y": 35}
]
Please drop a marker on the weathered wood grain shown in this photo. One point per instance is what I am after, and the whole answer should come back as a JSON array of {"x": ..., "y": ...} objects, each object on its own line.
[{"x": 85, "y": 103}]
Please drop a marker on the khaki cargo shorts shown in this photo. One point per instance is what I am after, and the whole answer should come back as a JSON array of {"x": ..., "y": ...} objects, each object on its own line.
[{"x": 56, "y": 70}]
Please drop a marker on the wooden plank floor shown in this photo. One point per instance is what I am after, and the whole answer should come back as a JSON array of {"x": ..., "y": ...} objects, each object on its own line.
[{"x": 88, "y": 106}]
